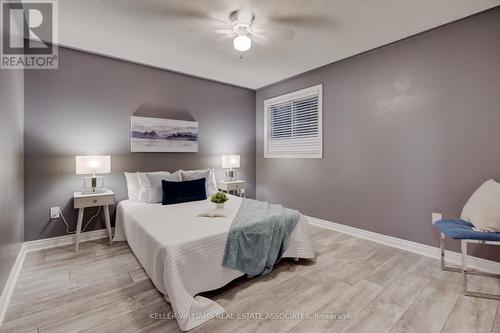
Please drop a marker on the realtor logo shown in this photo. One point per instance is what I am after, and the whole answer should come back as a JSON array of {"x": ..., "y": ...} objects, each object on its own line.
[{"x": 29, "y": 35}]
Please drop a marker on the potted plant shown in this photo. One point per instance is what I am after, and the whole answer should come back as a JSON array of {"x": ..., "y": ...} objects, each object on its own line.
[{"x": 219, "y": 198}]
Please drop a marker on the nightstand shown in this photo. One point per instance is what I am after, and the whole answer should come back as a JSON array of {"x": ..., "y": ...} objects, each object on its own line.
[
  {"x": 232, "y": 186},
  {"x": 86, "y": 200}
]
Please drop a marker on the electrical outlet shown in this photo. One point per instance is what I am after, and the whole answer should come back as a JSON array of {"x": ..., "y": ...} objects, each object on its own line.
[
  {"x": 436, "y": 217},
  {"x": 54, "y": 212}
]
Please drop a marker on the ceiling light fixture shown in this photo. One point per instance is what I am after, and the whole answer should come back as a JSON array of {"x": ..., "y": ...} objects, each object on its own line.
[{"x": 242, "y": 43}]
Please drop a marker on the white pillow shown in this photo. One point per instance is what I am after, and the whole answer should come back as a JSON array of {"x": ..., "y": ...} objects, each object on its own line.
[
  {"x": 155, "y": 186},
  {"x": 208, "y": 174},
  {"x": 133, "y": 187},
  {"x": 144, "y": 195},
  {"x": 483, "y": 207},
  {"x": 144, "y": 185}
]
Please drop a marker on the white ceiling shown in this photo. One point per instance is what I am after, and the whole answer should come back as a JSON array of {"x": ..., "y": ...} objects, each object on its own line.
[{"x": 179, "y": 35}]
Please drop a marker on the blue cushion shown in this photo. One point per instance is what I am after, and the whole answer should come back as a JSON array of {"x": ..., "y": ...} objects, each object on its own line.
[
  {"x": 186, "y": 191},
  {"x": 459, "y": 229}
]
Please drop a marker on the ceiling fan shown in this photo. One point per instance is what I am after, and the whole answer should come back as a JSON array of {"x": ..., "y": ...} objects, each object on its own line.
[
  {"x": 243, "y": 30},
  {"x": 241, "y": 25}
]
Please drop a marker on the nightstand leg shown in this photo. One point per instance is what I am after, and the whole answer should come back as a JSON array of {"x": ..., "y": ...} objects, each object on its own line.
[
  {"x": 108, "y": 223},
  {"x": 78, "y": 228}
]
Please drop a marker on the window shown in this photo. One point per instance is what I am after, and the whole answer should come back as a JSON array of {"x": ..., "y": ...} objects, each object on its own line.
[{"x": 293, "y": 124}]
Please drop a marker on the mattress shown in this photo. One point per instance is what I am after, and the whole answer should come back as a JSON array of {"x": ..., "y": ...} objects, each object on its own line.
[{"x": 176, "y": 247}]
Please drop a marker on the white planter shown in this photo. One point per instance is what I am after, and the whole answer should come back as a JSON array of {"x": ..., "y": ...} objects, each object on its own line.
[{"x": 219, "y": 205}]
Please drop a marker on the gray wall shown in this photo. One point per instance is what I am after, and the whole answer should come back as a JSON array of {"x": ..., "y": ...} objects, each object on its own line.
[
  {"x": 84, "y": 107},
  {"x": 11, "y": 169},
  {"x": 409, "y": 129}
]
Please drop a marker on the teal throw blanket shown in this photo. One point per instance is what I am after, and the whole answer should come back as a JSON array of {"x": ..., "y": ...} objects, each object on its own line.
[{"x": 258, "y": 236}]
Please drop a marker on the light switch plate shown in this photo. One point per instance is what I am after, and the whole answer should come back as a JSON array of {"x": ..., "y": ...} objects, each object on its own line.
[
  {"x": 436, "y": 217},
  {"x": 54, "y": 212}
]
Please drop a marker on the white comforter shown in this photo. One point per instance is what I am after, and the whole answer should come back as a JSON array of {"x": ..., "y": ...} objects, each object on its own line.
[{"x": 182, "y": 253}]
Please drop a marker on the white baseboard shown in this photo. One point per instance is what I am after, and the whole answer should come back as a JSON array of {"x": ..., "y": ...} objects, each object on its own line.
[
  {"x": 47, "y": 243},
  {"x": 8, "y": 289},
  {"x": 35, "y": 245},
  {"x": 422, "y": 249}
]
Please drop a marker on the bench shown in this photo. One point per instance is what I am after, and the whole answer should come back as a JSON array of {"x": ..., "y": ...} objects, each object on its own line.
[{"x": 464, "y": 231}]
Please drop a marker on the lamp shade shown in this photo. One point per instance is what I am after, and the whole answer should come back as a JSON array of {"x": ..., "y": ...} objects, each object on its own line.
[
  {"x": 230, "y": 161},
  {"x": 92, "y": 164}
]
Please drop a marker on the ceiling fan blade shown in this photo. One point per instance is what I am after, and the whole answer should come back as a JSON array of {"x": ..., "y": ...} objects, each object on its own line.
[
  {"x": 308, "y": 21},
  {"x": 274, "y": 33},
  {"x": 155, "y": 8},
  {"x": 224, "y": 31},
  {"x": 260, "y": 39},
  {"x": 163, "y": 10}
]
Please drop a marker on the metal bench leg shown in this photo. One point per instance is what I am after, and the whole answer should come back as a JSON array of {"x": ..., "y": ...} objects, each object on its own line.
[
  {"x": 470, "y": 271},
  {"x": 442, "y": 251},
  {"x": 464, "y": 265},
  {"x": 443, "y": 261},
  {"x": 466, "y": 272}
]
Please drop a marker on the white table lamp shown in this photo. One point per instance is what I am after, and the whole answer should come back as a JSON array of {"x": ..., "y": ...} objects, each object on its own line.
[
  {"x": 91, "y": 165},
  {"x": 230, "y": 162}
]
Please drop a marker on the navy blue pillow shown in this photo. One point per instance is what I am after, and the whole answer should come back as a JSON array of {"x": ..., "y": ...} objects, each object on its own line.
[{"x": 186, "y": 191}]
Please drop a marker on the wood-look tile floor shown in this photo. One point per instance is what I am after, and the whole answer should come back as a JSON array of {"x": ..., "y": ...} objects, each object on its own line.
[{"x": 371, "y": 288}]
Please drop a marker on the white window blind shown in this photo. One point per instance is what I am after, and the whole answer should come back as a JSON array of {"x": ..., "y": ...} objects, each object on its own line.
[{"x": 293, "y": 125}]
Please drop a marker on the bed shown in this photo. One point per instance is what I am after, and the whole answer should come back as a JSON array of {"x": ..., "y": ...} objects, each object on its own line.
[{"x": 176, "y": 247}]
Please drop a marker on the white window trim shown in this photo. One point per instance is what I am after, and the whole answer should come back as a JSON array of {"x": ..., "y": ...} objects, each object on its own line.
[{"x": 317, "y": 89}]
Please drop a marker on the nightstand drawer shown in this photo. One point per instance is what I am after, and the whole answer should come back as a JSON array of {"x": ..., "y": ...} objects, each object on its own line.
[
  {"x": 230, "y": 186},
  {"x": 92, "y": 201},
  {"x": 235, "y": 186}
]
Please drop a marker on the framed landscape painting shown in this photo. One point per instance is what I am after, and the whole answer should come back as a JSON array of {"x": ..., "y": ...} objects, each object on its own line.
[{"x": 163, "y": 135}]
